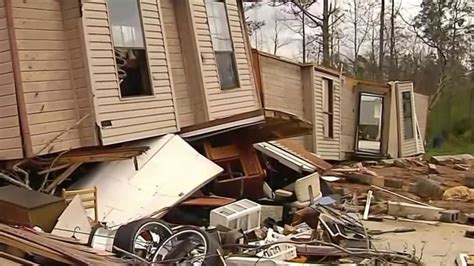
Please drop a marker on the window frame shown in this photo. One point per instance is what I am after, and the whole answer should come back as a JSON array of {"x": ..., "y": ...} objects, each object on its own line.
[
  {"x": 151, "y": 93},
  {"x": 328, "y": 94},
  {"x": 232, "y": 52}
]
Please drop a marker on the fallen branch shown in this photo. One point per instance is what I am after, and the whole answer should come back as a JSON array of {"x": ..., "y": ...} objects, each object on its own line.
[
  {"x": 26, "y": 176},
  {"x": 14, "y": 181},
  {"x": 401, "y": 196}
]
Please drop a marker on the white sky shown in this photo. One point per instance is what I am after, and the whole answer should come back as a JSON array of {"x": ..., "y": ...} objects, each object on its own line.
[{"x": 409, "y": 9}]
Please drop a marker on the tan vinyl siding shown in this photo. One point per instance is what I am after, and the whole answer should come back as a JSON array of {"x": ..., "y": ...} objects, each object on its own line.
[
  {"x": 72, "y": 25},
  {"x": 223, "y": 103},
  {"x": 177, "y": 64},
  {"x": 135, "y": 117},
  {"x": 10, "y": 135},
  {"x": 327, "y": 148},
  {"x": 46, "y": 47},
  {"x": 283, "y": 87}
]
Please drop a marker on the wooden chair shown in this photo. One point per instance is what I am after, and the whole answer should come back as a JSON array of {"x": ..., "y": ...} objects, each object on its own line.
[{"x": 88, "y": 198}]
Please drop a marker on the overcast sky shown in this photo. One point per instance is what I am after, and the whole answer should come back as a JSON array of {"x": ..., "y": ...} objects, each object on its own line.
[{"x": 408, "y": 9}]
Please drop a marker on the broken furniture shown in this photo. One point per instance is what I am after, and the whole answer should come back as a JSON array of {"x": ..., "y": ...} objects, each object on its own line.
[
  {"x": 88, "y": 198},
  {"x": 29, "y": 208},
  {"x": 243, "y": 174},
  {"x": 307, "y": 191}
]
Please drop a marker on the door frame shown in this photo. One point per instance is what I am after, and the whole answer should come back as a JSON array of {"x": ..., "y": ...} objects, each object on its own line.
[{"x": 382, "y": 122}]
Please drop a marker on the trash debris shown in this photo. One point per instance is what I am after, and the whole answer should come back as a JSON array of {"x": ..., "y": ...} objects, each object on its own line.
[{"x": 459, "y": 193}]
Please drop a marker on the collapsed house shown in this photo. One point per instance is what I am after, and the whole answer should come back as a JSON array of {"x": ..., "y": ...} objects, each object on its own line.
[
  {"x": 87, "y": 73},
  {"x": 350, "y": 117}
]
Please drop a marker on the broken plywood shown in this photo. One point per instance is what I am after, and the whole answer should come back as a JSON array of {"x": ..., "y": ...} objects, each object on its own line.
[
  {"x": 74, "y": 222},
  {"x": 167, "y": 174}
]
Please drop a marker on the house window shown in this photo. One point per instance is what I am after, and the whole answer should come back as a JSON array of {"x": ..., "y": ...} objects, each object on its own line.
[
  {"x": 222, "y": 44},
  {"x": 129, "y": 45},
  {"x": 408, "y": 132},
  {"x": 328, "y": 108}
]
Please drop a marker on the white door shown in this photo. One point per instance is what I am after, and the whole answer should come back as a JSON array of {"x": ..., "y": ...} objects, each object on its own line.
[{"x": 410, "y": 141}]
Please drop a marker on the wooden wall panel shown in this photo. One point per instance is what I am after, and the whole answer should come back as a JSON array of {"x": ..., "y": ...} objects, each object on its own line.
[
  {"x": 283, "y": 87},
  {"x": 10, "y": 134},
  {"x": 223, "y": 103},
  {"x": 135, "y": 117}
]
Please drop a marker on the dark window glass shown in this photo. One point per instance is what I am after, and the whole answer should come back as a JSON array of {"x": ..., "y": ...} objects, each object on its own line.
[
  {"x": 222, "y": 43},
  {"x": 408, "y": 131},
  {"x": 129, "y": 44}
]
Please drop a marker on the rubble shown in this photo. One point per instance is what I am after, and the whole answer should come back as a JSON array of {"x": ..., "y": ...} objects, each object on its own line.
[{"x": 153, "y": 210}]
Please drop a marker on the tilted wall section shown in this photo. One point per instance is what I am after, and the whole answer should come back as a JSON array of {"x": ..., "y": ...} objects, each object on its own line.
[
  {"x": 224, "y": 103},
  {"x": 10, "y": 135},
  {"x": 327, "y": 148},
  {"x": 52, "y": 77},
  {"x": 135, "y": 117}
]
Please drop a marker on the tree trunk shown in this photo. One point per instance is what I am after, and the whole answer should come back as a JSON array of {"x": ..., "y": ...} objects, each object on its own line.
[
  {"x": 381, "y": 41},
  {"x": 392, "y": 71},
  {"x": 326, "y": 37},
  {"x": 304, "y": 37},
  {"x": 356, "y": 43}
]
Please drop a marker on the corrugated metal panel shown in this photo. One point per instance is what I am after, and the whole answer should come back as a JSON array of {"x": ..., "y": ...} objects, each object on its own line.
[{"x": 285, "y": 156}]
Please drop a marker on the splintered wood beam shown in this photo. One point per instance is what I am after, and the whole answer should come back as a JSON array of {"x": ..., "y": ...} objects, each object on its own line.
[
  {"x": 56, "y": 182},
  {"x": 53, "y": 169},
  {"x": 101, "y": 155}
]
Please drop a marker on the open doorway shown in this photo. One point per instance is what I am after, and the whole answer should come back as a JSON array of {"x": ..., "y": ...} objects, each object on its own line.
[{"x": 369, "y": 128}]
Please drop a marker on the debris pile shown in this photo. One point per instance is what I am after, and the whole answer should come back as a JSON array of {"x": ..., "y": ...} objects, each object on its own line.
[{"x": 281, "y": 206}]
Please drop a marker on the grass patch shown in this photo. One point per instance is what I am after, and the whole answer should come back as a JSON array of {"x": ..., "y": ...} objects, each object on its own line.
[{"x": 451, "y": 148}]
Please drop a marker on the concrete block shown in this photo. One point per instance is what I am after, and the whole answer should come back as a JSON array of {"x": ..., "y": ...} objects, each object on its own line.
[
  {"x": 359, "y": 178},
  {"x": 393, "y": 183},
  {"x": 403, "y": 209},
  {"x": 378, "y": 181},
  {"x": 449, "y": 216}
]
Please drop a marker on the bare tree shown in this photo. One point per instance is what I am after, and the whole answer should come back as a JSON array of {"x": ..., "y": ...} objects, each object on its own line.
[
  {"x": 359, "y": 15},
  {"x": 381, "y": 39},
  {"x": 277, "y": 39}
]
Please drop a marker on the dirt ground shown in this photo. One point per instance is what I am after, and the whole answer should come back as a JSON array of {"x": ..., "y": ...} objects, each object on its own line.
[
  {"x": 437, "y": 245},
  {"x": 440, "y": 244}
]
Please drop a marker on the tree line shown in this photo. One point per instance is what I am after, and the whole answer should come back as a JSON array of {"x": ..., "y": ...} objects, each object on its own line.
[{"x": 380, "y": 40}]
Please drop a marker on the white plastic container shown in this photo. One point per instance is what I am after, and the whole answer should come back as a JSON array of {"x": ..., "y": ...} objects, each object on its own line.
[
  {"x": 279, "y": 252},
  {"x": 243, "y": 214}
]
